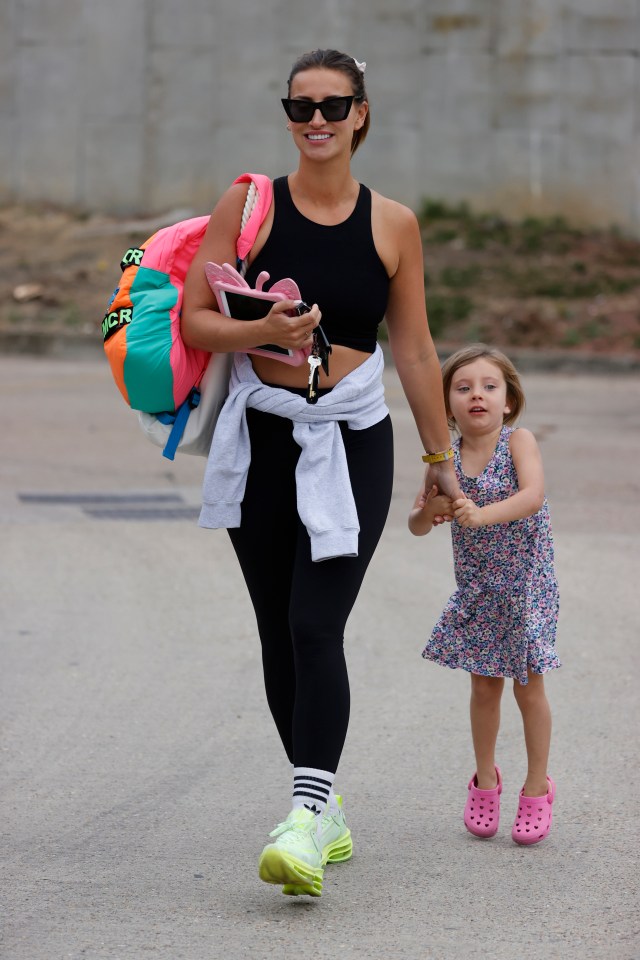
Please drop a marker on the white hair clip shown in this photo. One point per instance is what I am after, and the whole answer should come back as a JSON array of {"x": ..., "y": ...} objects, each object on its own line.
[{"x": 361, "y": 66}]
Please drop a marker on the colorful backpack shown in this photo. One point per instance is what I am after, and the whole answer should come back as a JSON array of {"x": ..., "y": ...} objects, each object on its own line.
[{"x": 154, "y": 370}]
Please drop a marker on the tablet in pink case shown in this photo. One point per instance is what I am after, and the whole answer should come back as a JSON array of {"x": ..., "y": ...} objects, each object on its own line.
[{"x": 238, "y": 300}]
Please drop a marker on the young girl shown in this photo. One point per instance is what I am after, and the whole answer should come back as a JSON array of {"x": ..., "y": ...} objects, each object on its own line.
[{"x": 501, "y": 621}]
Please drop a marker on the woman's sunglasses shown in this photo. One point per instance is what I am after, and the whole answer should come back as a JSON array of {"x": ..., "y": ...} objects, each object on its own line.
[{"x": 332, "y": 109}]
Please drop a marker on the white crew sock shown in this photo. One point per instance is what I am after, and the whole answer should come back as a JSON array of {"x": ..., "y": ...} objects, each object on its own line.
[{"x": 311, "y": 788}]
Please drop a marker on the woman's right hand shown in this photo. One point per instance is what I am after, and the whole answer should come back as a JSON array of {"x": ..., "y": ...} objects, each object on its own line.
[{"x": 289, "y": 331}]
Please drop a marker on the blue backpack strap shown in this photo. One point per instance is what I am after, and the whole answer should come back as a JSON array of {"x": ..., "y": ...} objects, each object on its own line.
[{"x": 179, "y": 422}]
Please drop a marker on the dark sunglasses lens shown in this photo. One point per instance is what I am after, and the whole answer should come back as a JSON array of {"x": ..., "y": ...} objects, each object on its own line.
[
  {"x": 301, "y": 111},
  {"x": 336, "y": 109}
]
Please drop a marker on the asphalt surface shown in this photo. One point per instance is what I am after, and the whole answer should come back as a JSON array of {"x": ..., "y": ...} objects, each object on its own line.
[{"x": 141, "y": 771}]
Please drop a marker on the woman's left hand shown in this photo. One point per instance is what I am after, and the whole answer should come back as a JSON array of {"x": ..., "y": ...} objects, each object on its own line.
[{"x": 444, "y": 477}]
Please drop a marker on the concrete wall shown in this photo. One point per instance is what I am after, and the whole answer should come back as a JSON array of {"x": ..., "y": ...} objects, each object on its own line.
[{"x": 142, "y": 105}]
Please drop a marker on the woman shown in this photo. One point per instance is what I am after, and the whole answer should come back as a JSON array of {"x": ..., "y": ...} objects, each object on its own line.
[{"x": 318, "y": 485}]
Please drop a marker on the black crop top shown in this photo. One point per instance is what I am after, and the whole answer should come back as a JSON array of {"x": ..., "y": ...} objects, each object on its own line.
[{"x": 336, "y": 267}]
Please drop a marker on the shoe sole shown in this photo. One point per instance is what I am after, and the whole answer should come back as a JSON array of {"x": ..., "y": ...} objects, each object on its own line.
[
  {"x": 296, "y": 876},
  {"x": 338, "y": 851}
]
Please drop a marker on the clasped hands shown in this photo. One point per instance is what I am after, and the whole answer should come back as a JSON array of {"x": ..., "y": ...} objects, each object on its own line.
[{"x": 465, "y": 511}]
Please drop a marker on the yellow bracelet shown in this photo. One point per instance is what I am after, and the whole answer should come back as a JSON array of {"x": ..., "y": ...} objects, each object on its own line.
[{"x": 438, "y": 457}]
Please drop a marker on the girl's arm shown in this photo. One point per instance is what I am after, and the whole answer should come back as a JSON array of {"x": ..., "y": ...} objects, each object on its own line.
[
  {"x": 201, "y": 324},
  {"x": 427, "y": 510},
  {"x": 411, "y": 344},
  {"x": 529, "y": 498}
]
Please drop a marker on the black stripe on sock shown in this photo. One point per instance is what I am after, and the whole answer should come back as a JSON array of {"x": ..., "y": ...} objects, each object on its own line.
[
  {"x": 306, "y": 787},
  {"x": 310, "y": 794},
  {"x": 301, "y": 776}
]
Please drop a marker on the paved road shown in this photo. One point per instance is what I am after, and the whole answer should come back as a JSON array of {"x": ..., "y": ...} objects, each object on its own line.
[{"x": 141, "y": 771}]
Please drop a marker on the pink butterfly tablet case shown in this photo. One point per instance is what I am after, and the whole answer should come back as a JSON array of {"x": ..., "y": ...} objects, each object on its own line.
[{"x": 238, "y": 300}]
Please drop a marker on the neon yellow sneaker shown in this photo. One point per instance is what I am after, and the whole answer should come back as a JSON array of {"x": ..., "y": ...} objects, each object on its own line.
[
  {"x": 335, "y": 844},
  {"x": 335, "y": 836},
  {"x": 295, "y": 859}
]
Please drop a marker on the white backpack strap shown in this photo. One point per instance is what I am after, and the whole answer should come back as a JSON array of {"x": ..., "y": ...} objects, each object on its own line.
[
  {"x": 250, "y": 202},
  {"x": 257, "y": 205},
  {"x": 249, "y": 206}
]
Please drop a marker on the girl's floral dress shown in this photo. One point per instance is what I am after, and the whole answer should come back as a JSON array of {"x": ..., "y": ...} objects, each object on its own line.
[{"x": 501, "y": 621}]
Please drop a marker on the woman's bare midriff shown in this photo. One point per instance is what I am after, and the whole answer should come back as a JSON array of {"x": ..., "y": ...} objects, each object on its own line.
[{"x": 341, "y": 362}]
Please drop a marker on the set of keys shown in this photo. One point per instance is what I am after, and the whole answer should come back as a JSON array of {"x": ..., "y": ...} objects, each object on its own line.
[{"x": 319, "y": 357}]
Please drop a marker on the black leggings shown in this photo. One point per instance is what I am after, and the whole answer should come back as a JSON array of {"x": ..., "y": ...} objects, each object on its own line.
[{"x": 302, "y": 607}]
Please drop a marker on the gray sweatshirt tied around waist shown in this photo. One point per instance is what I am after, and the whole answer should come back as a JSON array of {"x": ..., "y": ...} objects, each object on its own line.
[{"x": 324, "y": 496}]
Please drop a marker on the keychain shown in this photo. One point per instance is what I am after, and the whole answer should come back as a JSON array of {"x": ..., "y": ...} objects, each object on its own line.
[
  {"x": 314, "y": 372},
  {"x": 319, "y": 357},
  {"x": 321, "y": 347}
]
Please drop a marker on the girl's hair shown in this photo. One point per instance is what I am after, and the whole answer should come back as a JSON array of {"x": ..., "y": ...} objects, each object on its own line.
[
  {"x": 334, "y": 60},
  {"x": 477, "y": 351}
]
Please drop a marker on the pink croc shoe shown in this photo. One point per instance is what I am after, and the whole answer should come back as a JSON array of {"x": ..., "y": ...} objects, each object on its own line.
[
  {"x": 534, "y": 816},
  {"x": 482, "y": 809}
]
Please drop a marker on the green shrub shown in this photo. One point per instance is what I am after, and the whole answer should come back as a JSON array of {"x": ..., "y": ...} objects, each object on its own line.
[
  {"x": 443, "y": 309},
  {"x": 460, "y": 276}
]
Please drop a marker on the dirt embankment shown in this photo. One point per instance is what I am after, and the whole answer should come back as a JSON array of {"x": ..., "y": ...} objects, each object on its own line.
[{"x": 534, "y": 284}]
